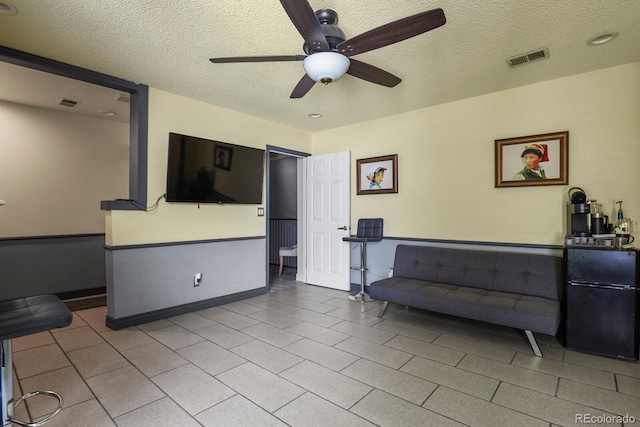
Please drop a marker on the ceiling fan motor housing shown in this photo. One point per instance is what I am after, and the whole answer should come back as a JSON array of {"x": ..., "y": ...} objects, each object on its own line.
[{"x": 334, "y": 35}]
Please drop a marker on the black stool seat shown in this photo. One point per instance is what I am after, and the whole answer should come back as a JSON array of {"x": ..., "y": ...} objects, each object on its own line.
[
  {"x": 361, "y": 239},
  {"x": 26, "y": 316}
]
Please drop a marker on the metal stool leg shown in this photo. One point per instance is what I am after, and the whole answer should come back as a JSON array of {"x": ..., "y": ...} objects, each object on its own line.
[
  {"x": 362, "y": 296},
  {"x": 8, "y": 405}
]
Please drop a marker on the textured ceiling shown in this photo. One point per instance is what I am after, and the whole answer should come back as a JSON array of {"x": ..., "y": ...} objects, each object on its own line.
[{"x": 166, "y": 45}]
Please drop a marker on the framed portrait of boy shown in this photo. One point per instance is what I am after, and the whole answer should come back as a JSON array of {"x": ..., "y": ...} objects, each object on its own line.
[
  {"x": 532, "y": 160},
  {"x": 222, "y": 157},
  {"x": 377, "y": 175}
]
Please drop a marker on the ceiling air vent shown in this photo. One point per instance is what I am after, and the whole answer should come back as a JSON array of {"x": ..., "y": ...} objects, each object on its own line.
[
  {"x": 68, "y": 103},
  {"x": 124, "y": 98},
  {"x": 525, "y": 58}
]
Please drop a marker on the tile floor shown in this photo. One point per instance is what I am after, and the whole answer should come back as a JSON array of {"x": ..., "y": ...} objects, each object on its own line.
[{"x": 307, "y": 356}]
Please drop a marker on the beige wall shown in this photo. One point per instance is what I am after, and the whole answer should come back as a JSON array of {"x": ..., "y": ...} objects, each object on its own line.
[
  {"x": 446, "y": 159},
  {"x": 176, "y": 222},
  {"x": 55, "y": 168}
]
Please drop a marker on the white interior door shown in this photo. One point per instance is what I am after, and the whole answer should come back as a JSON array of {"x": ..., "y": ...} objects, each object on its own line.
[{"x": 327, "y": 220}]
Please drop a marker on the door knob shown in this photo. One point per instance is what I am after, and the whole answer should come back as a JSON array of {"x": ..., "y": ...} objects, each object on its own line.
[{"x": 342, "y": 228}]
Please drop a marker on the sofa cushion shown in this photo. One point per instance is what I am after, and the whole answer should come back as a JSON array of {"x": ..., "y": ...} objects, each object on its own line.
[
  {"x": 527, "y": 274},
  {"x": 503, "y": 308}
]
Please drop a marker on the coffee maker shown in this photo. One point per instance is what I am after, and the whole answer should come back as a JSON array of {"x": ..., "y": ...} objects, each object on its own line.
[{"x": 578, "y": 213}]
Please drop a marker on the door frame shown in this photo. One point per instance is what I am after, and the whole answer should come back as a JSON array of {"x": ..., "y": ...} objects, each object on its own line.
[{"x": 301, "y": 274}]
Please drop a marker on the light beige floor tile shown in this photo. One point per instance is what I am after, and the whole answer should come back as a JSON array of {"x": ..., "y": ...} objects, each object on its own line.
[
  {"x": 175, "y": 337},
  {"x": 388, "y": 411},
  {"x": 306, "y": 295},
  {"x": 39, "y": 360},
  {"x": 267, "y": 356},
  {"x": 367, "y": 318},
  {"x": 273, "y": 318},
  {"x": 124, "y": 339},
  {"x": 566, "y": 370},
  {"x": 376, "y": 352},
  {"x": 192, "y": 321},
  {"x": 224, "y": 336},
  {"x": 312, "y": 411},
  {"x": 65, "y": 382},
  {"x": 242, "y": 308},
  {"x": 155, "y": 325},
  {"x": 163, "y": 412},
  {"x": 628, "y": 385},
  {"x": 97, "y": 321},
  {"x": 277, "y": 306},
  {"x": 271, "y": 334},
  {"x": 306, "y": 304},
  {"x": 540, "y": 405},
  {"x": 624, "y": 367},
  {"x": 260, "y": 386},
  {"x": 479, "y": 348},
  {"x": 73, "y": 339},
  {"x": 330, "y": 385},
  {"x": 324, "y": 355},
  {"x": 427, "y": 350},
  {"x": 345, "y": 303},
  {"x": 31, "y": 341},
  {"x": 210, "y": 357},
  {"x": 235, "y": 320},
  {"x": 89, "y": 413},
  {"x": 392, "y": 381},
  {"x": 124, "y": 390},
  {"x": 238, "y": 412},
  {"x": 192, "y": 388},
  {"x": 477, "y": 412},
  {"x": 596, "y": 397},
  {"x": 448, "y": 376},
  {"x": 318, "y": 333},
  {"x": 316, "y": 318},
  {"x": 402, "y": 328},
  {"x": 153, "y": 359},
  {"x": 90, "y": 312},
  {"x": 527, "y": 378},
  {"x": 96, "y": 360},
  {"x": 365, "y": 332}
]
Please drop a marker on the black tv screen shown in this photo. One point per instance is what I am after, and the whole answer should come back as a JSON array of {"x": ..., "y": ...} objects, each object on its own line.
[{"x": 205, "y": 171}]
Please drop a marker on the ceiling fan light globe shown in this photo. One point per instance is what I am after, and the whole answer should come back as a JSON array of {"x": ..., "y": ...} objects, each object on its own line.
[{"x": 326, "y": 67}]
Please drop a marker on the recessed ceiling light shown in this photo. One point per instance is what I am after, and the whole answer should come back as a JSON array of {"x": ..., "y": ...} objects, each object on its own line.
[
  {"x": 315, "y": 115},
  {"x": 107, "y": 112},
  {"x": 602, "y": 38},
  {"x": 7, "y": 8}
]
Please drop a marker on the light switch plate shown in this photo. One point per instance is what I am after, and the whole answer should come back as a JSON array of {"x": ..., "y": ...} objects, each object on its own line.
[{"x": 260, "y": 211}]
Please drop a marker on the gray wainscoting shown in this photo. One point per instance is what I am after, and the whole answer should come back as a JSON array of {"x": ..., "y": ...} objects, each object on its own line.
[
  {"x": 64, "y": 265},
  {"x": 148, "y": 282}
]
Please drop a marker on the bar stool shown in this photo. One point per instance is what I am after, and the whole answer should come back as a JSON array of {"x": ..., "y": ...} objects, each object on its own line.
[
  {"x": 20, "y": 317},
  {"x": 369, "y": 230}
]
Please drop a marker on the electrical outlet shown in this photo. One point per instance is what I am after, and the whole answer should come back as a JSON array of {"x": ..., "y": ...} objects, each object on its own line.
[{"x": 197, "y": 279}]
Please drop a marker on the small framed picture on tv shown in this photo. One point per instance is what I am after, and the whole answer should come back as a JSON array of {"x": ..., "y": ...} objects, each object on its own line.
[{"x": 222, "y": 157}]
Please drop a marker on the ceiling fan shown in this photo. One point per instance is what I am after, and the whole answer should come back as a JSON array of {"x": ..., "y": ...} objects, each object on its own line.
[{"x": 328, "y": 51}]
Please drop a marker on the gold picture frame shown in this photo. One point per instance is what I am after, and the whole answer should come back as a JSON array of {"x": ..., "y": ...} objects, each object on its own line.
[
  {"x": 532, "y": 160},
  {"x": 377, "y": 175}
]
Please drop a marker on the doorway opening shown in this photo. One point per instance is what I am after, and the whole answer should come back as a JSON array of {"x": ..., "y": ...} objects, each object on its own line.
[{"x": 284, "y": 217}]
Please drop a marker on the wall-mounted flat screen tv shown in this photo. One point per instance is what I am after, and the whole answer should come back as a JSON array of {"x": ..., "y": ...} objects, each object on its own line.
[{"x": 205, "y": 171}]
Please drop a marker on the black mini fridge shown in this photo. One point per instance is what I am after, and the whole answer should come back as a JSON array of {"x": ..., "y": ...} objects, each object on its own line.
[{"x": 602, "y": 301}]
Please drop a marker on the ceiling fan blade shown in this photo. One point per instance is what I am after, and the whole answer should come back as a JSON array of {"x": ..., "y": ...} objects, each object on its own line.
[
  {"x": 274, "y": 58},
  {"x": 372, "y": 74},
  {"x": 304, "y": 85},
  {"x": 307, "y": 23},
  {"x": 393, "y": 32}
]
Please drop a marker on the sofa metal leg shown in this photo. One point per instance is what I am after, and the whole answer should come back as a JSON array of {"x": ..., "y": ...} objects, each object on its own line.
[
  {"x": 383, "y": 308},
  {"x": 533, "y": 342}
]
